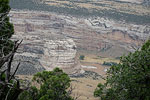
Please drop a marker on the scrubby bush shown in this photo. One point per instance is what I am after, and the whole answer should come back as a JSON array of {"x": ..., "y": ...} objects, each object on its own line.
[{"x": 82, "y": 57}]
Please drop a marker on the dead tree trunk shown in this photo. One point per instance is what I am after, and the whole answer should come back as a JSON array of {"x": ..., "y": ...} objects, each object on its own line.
[{"x": 9, "y": 85}]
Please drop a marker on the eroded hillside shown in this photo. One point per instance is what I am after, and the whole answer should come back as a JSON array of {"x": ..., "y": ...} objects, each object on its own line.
[
  {"x": 53, "y": 39},
  {"x": 133, "y": 11}
]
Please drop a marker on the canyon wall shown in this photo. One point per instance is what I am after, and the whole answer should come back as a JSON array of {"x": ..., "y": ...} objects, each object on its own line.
[
  {"x": 55, "y": 39},
  {"x": 42, "y": 49}
]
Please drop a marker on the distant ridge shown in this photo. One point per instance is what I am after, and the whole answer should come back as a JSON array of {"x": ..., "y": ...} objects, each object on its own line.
[{"x": 89, "y": 8}]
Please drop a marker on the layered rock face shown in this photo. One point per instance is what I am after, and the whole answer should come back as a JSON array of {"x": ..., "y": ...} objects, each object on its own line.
[
  {"x": 49, "y": 39},
  {"x": 146, "y": 3},
  {"x": 104, "y": 25},
  {"x": 96, "y": 34},
  {"x": 42, "y": 49}
]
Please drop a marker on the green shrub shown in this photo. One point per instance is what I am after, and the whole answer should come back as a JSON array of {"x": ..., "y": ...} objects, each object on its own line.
[{"x": 82, "y": 57}]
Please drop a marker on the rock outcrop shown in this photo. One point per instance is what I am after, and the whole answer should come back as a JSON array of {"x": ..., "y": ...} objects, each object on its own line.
[
  {"x": 42, "y": 49},
  {"x": 53, "y": 40}
]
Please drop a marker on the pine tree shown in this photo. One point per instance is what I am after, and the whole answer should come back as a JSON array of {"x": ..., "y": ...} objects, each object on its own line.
[
  {"x": 6, "y": 28},
  {"x": 130, "y": 79},
  {"x": 9, "y": 85}
]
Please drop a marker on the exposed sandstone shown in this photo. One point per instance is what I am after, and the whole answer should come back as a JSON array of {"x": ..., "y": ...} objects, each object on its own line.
[
  {"x": 43, "y": 49},
  {"x": 53, "y": 39}
]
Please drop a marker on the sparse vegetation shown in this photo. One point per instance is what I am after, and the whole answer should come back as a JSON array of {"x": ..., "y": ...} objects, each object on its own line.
[
  {"x": 88, "y": 74},
  {"x": 82, "y": 57}
]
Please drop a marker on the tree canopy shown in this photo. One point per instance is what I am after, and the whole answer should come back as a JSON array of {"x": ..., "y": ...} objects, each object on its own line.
[
  {"x": 53, "y": 86},
  {"x": 130, "y": 79},
  {"x": 9, "y": 85},
  {"x": 6, "y": 28}
]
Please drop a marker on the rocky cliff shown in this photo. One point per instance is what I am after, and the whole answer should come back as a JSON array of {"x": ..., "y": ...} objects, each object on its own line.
[
  {"x": 52, "y": 40},
  {"x": 42, "y": 49}
]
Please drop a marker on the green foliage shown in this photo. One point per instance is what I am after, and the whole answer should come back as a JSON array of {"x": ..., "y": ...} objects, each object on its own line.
[
  {"x": 53, "y": 86},
  {"x": 146, "y": 45},
  {"x": 130, "y": 79},
  {"x": 6, "y": 28},
  {"x": 99, "y": 91},
  {"x": 82, "y": 57},
  {"x": 9, "y": 86},
  {"x": 31, "y": 94}
]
